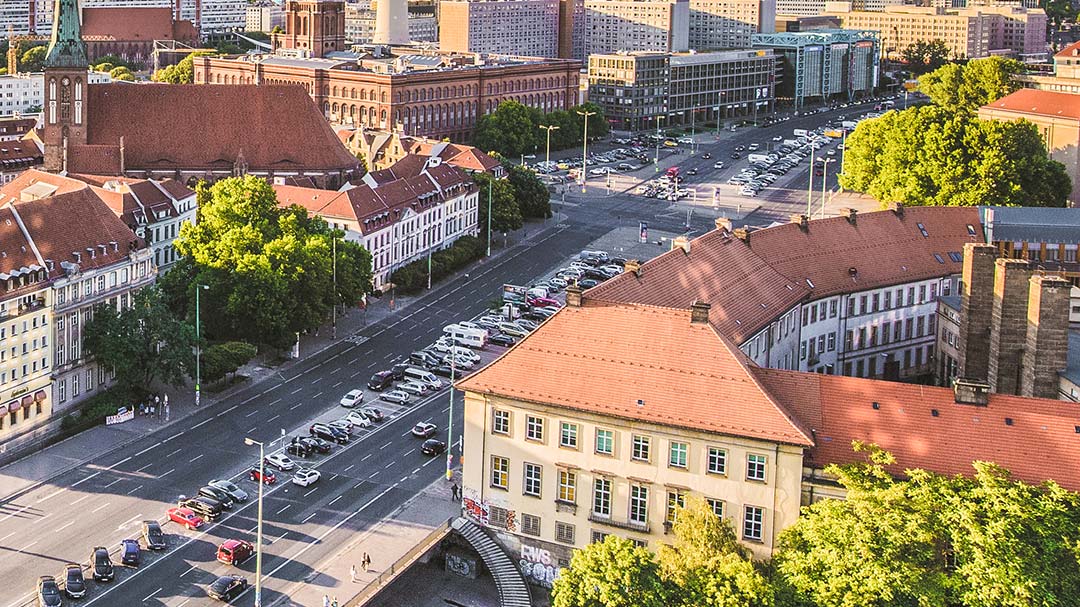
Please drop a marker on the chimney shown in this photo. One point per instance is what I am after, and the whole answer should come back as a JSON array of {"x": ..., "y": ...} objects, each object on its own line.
[
  {"x": 90, "y": 250},
  {"x": 681, "y": 242},
  {"x": 121, "y": 154},
  {"x": 971, "y": 392},
  {"x": 742, "y": 234},
  {"x": 573, "y": 296},
  {"x": 976, "y": 310},
  {"x": 849, "y": 214},
  {"x": 77, "y": 255},
  {"x": 723, "y": 224},
  {"x": 1008, "y": 324},
  {"x": 632, "y": 265},
  {"x": 699, "y": 312},
  {"x": 802, "y": 220},
  {"x": 1047, "y": 348},
  {"x": 897, "y": 207}
]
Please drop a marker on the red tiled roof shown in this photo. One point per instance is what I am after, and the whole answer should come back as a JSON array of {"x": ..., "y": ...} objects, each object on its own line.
[
  {"x": 128, "y": 23},
  {"x": 20, "y": 151},
  {"x": 16, "y": 252},
  {"x": 201, "y": 127},
  {"x": 1073, "y": 50},
  {"x": 1042, "y": 442},
  {"x": 12, "y": 190},
  {"x": 1039, "y": 103},
  {"x": 608, "y": 358}
]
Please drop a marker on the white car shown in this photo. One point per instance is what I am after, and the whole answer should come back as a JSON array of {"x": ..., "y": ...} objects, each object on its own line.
[
  {"x": 356, "y": 418},
  {"x": 558, "y": 282},
  {"x": 413, "y": 387},
  {"x": 280, "y": 461},
  {"x": 306, "y": 477},
  {"x": 352, "y": 398}
]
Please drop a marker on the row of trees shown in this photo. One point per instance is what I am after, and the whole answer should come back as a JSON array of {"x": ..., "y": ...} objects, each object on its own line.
[
  {"x": 181, "y": 73},
  {"x": 943, "y": 155},
  {"x": 924, "y": 540},
  {"x": 514, "y": 129}
]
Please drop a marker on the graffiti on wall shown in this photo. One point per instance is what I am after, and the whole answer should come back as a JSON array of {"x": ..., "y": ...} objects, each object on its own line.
[
  {"x": 538, "y": 566},
  {"x": 476, "y": 510}
]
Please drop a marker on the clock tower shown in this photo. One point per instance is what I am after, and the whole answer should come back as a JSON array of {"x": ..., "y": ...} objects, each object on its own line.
[{"x": 65, "y": 87}]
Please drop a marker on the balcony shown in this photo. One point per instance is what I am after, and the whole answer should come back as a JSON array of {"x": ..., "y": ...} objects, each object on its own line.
[
  {"x": 23, "y": 308},
  {"x": 610, "y": 522}
]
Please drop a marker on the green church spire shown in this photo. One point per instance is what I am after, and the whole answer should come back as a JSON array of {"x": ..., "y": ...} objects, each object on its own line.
[{"x": 66, "y": 49}]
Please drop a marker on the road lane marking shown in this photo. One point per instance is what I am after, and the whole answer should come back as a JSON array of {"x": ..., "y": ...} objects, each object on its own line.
[
  {"x": 386, "y": 445},
  {"x": 24, "y": 548},
  {"x": 296, "y": 390},
  {"x": 41, "y": 518},
  {"x": 171, "y": 470},
  {"x": 154, "y": 446},
  {"x": 295, "y": 406},
  {"x": 252, "y": 429},
  {"x": 177, "y": 435},
  {"x": 123, "y": 461},
  {"x": 349, "y": 468},
  {"x": 80, "y": 499},
  {"x": 280, "y": 537},
  {"x": 53, "y": 494},
  {"x": 186, "y": 601},
  {"x": 365, "y": 457},
  {"x": 287, "y": 506},
  {"x": 273, "y": 402},
  {"x": 334, "y": 500},
  {"x": 309, "y": 517},
  {"x": 273, "y": 418},
  {"x": 105, "y": 505},
  {"x": 135, "y": 489},
  {"x": 310, "y": 492},
  {"x": 174, "y": 453},
  {"x": 58, "y": 530},
  {"x": 202, "y": 423},
  {"x": 416, "y": 471},
  {"x": 387, "y": 466},
  {"x": 197, "y": 457},
  {"x": 317, "y": 395},
  {"x": 129, "y": 521},
  {"x": 227, "y": 410},
  {"x": 336, "y": 385},
  {"x": 151, "y": 595},
  {"x": 145, "y": 467},
  {"x": 112, "y": 483},
  {"x": 253, "y": 412},
  {"x": 249, "y": 399}
]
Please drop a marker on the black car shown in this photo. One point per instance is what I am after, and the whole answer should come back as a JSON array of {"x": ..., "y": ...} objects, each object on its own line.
[
  {"x": 227, "y": 587},
  {"x": 325, "y": 432},
  {"x": 445, "y": 371},
  {"x": 706, "y": 155},
  {"x": 432, "y": 447},
  {"x": 48, "y": 593},
  {"x": 424, "y": 359},
  {"x": 101, "y": 565},
  {"x": 316, "y": 445},
  {"x": 74, "y": 583},
  {"x": 216, "y": 493},
  {"x": 209, "y": 509},
  {"x": 298, "y": 448},
  {"x": 152, "y": 535},
  {"x": 596, "y": 274},
  {"x": 502, "y": 340},
  {"x": 736, "y": 155},
  {"x": 381, "y": 381},
  {"x": 588, "y": 283},
  {"x": 130, "y": 554},
  {"x": 692, "y": 172},
  {"x": 399, "y": 370}
]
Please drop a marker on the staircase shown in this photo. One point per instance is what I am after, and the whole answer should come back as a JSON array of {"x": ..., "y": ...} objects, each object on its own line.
[{"x": 513, "y": 591}]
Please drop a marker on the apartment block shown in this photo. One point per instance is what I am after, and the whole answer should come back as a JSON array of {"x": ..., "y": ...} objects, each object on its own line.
[
  {"x": 263, "y": 17},
  {"x": 528, "y": 28},
  {"x": 723, "y": 24},
  {"x": 1066, "y": 76},
  {"x": 611, "y": 26},
  {"x": 25, "y": 93}
]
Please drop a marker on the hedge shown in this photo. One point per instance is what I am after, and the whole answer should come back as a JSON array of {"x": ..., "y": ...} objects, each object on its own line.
[
  {"x": 413, "y": 277},
  {"x": 97, "y": 408}
]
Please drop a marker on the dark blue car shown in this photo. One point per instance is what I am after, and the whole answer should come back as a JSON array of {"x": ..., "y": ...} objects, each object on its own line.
[{"x": 129, "y": 553}]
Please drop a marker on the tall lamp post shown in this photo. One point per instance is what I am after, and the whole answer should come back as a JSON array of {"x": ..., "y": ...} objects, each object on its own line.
[
  {"x": 584, "y": 147},
  {"x": 810, "y": 186},
  {"x": 198, "y": 345},
  {"x": 258, "y": 535},
  {"x": 489, "y": 218},
  {"x": 547, "y": 152},
  {"x": 824, "y": 180},
  {"x": 450, "y": 421},
  {"x": 656, "y": 159}
]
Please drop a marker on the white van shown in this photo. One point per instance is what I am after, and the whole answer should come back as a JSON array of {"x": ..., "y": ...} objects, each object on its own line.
[
  {"x": 425, "y": 377},
  {"x": 475, "y": 338}
]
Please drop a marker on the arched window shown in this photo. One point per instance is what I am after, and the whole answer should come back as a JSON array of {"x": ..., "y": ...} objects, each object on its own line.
[{"x": 52, "y": 100}]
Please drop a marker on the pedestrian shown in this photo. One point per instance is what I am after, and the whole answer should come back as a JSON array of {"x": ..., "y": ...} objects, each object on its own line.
[
  {"x": 352, "y": 573},
  {"x": 325, "y": 600},
  {"x": 365, "y": 562},
  {"x": 334, "y": 603},
  {"x": 454, "y": 491}
]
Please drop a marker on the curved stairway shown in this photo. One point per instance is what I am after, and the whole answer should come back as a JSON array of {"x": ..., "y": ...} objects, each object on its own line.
[{"x": 513, "y": 590}]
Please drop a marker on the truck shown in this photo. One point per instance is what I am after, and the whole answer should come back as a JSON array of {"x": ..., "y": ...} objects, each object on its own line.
[
  {"x": 761, "y": 158},
  {"x": 799, "y": 132}
]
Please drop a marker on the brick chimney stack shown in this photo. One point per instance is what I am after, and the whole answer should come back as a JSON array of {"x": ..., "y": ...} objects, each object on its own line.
[
  {"x": 976, "y": 310},
  {"x": 1008, "y": 328},
  {"x": 573, "y": 296},
  {"x": 1047, "y": 346},
  {"x": 699, "y": 312}
]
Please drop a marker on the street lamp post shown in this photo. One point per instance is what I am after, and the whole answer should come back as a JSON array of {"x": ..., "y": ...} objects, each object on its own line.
[
  {"x": 258, "y": 535},
  {"x": 810, "y": 186},
  {"x": 547, "y": 152},
  {"x": 198, "y": 345},
  {"x": 656, "y": 159},
  {"x": 584, "y": 146},
  {"x": 489, "y": 219},
  {"x": 450, "y": 421},
  {"x": 824, "y": 180}
]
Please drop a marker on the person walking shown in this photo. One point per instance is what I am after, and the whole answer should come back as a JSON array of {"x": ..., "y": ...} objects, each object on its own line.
[
  {"x": 334, "y": 602},
  {"x": 352, "y": 573},
  {"x": 455, "y": 492},
  {"x": 325, "y": 600},
  {"x": 365, "y": 562}
]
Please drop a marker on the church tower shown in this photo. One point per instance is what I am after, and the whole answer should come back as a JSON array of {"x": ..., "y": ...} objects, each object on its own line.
[
  {"x": 314, "y": 27},
  {"x": 65, "y": 86}
]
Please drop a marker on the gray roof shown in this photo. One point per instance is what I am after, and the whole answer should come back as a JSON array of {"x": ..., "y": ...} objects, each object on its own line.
[
  {"x": 1072, "y": 370},
  {"x": 1031, "y": 224},
  {"x": 952, "y": 301}
]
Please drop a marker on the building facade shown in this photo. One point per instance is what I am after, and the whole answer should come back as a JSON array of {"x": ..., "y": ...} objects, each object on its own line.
[
  {"x": 611, "y": 26},
  {"x": 263, "y": 16},
  {"x": 1066, "y": 76},
  {"x": 681, "y": 88},
  {"x": 723, "y": 24},
  {"x": 25, "y": 93},
  {"x": 824, "y": 64},
  {"x": 360, "y": 24},
  {"x": 527, "y": 28}
]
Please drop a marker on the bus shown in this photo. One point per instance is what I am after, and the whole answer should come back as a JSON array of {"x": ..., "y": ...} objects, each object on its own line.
[{"x": 673, "y": 173}]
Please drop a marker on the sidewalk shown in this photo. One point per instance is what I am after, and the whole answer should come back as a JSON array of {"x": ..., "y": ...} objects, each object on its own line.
[{"x": 386, "y": 542}]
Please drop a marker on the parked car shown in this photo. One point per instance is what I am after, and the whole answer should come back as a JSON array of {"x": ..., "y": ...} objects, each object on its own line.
[
  {"x": 381, "y": 381},
  {"x": 395, "y": 396},
  {"x": 218, "y": 494},
  {"x": 280, "y": 461},
  {"x": 234, "y": 552},
  {"x": 101, "y": 564},
  {"x": 74, "y": 582},
  {"x": 372, "y": 413},
  {"x": 305, "y": 477},
  {"x": 153, "y": 536},
  {"x": 424, "y": 430},
  {"x": 185, "y": 517},
  {"x": 432, "y": 447},
  {"x": 446, "y": 370},
  {"x": 265, "y": 475},
  {"x": 236, "y": 493},
  {"x": 588, "y": 283},
  {"x": 543, "y": 301},
  {"x": 325, "y": 432},
  {"x": 208, "y": 509},
  {"x": 315, "y": 445},
  {"x": 413, "y": 387},
  {"x": 352, "y": 398},
  {"x": 357, "y": 419},
  {"x": 423, "y": 359},
  {"x": 502, "y": 340},
  {"x": 297, "y": 448},
  {"x": 341, "y": 426},
  {"x": 129, "y": 553},
  {"x": 48, "y": 593},
  {"x": 528, "y": 325},
  {"x": 227, "y": 587},
  {"x": 513, "y": 330}
]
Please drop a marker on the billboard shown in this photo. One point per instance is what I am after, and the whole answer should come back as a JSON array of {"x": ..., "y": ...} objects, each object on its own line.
[{"x": 513, "y": 293}]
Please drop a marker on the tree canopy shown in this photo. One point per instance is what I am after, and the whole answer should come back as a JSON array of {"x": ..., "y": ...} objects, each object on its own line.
[
  {"x": 611, "y": 573},
  {"x": 936, "y": 156},
  {"x": 925, "y": 55},
  {"x": 181, "y": 73},
  {"x": 269, "y": 269},
  {"x": 532, "y": 196},
  {"x": 505, "y": 212},
  {"x": 33, "y": 59},
  {"x": 972, "y": 85},
  {"x": 514, "y": 129}
]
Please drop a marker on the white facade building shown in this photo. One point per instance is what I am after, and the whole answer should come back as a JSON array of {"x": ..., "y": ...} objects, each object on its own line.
[
  {"x": 25, "y": 93},
  {"x": 264, "y": 17},
  {"x": 222, "y": 17},
  {"x": 612, "y": 26}
]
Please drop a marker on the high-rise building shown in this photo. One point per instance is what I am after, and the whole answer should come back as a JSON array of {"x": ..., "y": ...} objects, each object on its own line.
[
  {"x": 263, "y": 16},
  {"x": 528, "y": 28},
  {"x": 825, "y": 63},
  {"x": 611, "y": 26},
  {"x": 360, "y": 24},
  {"x": 723, "y": 24}
]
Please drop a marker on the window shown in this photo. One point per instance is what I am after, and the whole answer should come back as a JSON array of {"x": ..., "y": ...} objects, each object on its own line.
[
  {"x": 605, "y": 441},
  {"x": 530, "y": 524},
  {"x": 753, "y": 523},
  {"x": 675, "y": 500},
  {"x": 564, "y": 533},
  {"x": 717, "y": 463},
  {"x": 755, "y": 467},
  {"x": 832, "y": 341},
  {"x": 567, "y": 486},
  {"x": 677, "y": 455},
  {"x": 639, "y": 503},
  {"x": 532, "y": 480},
  {"x": 500, "y": 472},
  {"x": 640, "y": 449},
  {"x": 602, "y": 497},
  {"x": 62, "y": 390},
  {"x": 597, "y": 536},
  {"x": 534, "y": 428},
  {"x": 716, "y": 505},
  {"x": 74, "y": 385},
  {"x": 498, "y": 517},
  {"x": 500, "y": 422},
  {"x": 568, "y": 435}
]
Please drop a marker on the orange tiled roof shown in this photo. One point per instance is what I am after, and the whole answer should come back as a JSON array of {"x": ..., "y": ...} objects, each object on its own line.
[
  {"x": 1042, "y": 442},
  {"x": 1039, "y": 103},
  {"x": 608, "y": 358},
  {"x": 1073, "y": 50}
]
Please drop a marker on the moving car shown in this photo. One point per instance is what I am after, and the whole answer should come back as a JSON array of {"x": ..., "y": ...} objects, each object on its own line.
[
  {"x": 372, "y": 413},
  {"x": 236, "y": 493},
  {"x": 234, "y": 552},
  {"x": 424, "y": 430},
  {"x": 706, "y": 155},
  {"x": 280, "y": 461},
  {"x": 352, "y": 398},
  {"x": 101, "y": 565},
  {"x": 306, "y": 476},
  {"x": 719, "y": 164},
  {"x": 432, "y": 447},
  {"x": 220, "y": 495},
  {"x": 153, "y": 536},
  {"x": 74, "y": 582},
  {"x": 129, "y": 553},
  {"x": 381, "y": 381},
  {"x": 227, "y": 587},
  {"x": 48, "y": 593},
  {"x": 266, "y": 476},
  {"x": 395, "y": 396},
  {"x": 185, "y": 517}
]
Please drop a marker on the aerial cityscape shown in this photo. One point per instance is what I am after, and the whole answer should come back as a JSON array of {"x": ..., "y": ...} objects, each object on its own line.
[{"x": 540, "y": 303}]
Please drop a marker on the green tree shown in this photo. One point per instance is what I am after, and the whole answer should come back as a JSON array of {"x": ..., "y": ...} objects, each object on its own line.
[
  {"x": 269, "y": 269},
  {"x": 181, "y": 73},
  {"x": 511, "y": 130},
  {"x": 222, "y": 359},
  {"x": 598, "y": 124},
  {"x": 706, "y": 566},
  {"x": 143, "y": 343},
  {"x": 33, "y": 59},
  {"x": 118, "y": 61},
  {"x": 118, "y": 71},
  {"x": 505, "y": 213},
  {"x": 104, "y": 67},
  {"x": 611, "y": 573},
  {"x": 533, "y": 198},
  {"x": 925, "y": 56},
  {"x": 972, "y": 85}
]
